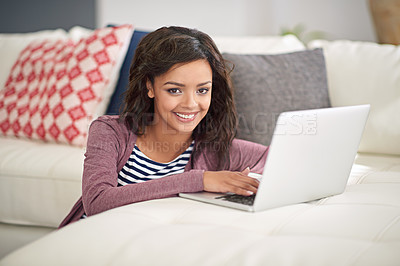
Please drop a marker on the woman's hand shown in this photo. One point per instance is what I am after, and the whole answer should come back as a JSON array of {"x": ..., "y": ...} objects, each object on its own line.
[{"x": 227, "y": 181}]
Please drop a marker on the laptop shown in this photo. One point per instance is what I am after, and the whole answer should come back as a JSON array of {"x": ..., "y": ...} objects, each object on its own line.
[{"x": 310, "y": 157}]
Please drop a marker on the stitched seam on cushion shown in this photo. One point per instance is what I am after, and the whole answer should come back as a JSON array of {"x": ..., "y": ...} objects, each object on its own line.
[
  {"x": 362, "y": 177},
  {"x": 376, "y": 239},
  {"x": 379, "y": 236},
  {"x": 388, "y": 168},
  {"x": 363, "y": 204},
  {"x": 357, "y": 255},
  {"x": 290, "y": 218},
  {"x": 383, "y": 169}
]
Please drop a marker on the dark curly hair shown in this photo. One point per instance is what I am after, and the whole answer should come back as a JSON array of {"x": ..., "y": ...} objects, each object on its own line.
[{"x": 156, "y": 53}]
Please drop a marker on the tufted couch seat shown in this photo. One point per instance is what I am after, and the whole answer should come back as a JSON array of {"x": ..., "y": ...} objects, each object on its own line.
[{"x": 359, "y": 227}]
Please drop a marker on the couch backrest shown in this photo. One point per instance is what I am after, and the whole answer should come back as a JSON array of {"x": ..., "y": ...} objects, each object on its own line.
[{"x": 361, "y": 73}]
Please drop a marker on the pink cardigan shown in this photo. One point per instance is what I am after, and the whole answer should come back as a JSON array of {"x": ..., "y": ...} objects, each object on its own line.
[{"x": 109, "y": 146}]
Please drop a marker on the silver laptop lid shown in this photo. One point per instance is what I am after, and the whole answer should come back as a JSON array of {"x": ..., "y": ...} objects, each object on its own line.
[{"x": 311, "y": 155}]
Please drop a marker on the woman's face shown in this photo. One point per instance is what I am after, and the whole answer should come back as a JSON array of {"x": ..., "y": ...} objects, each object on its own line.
[{"x": 182, "y": 97}]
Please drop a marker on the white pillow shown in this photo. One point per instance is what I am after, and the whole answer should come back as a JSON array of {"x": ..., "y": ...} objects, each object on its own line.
[
  {"x": 258, "y": 44},
  {"x": 360, "y": 73}
]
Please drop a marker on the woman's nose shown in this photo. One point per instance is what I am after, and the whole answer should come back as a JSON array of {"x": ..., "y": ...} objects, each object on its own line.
[{"x": 190, "y": 100}]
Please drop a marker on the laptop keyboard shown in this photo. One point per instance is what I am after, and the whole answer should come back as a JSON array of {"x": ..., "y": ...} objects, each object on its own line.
[{"x": 246, "y": 200}]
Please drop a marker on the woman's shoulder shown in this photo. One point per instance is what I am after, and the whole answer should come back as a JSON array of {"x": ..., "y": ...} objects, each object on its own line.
[
  {"x": 239, "y": 147},
  {"x": 243, "y": 148},
  {"x": 111, "y": 132},
  {"x": 245, "y": 144},
  {"x": 112, "y": 121},
  {"x": 245, "y": 153},
  {"x": 108, "y": 119},
  {"x": 109, "y": 123}
]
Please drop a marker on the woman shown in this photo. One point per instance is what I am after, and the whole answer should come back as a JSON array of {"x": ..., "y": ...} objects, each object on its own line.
[{"x": 175, "y": 133}]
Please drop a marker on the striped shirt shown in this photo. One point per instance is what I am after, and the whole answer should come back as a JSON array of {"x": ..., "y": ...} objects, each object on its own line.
[{"x": 140, "y": 168}]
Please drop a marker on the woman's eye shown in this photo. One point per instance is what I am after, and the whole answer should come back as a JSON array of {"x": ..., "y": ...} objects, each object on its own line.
[
  {"x": 203, "y": 90},
  {"x": 174, "y": 91}
]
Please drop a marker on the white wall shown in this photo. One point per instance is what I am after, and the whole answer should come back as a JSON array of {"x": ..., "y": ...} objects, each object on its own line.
[{"x": 339, "y": 19}]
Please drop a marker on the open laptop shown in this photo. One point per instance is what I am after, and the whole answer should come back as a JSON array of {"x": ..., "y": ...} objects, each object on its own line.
[{"x": 310, "y": 157}]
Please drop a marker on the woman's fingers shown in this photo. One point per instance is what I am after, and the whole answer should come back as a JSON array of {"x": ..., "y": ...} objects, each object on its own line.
[
  {"x": 246, "y": 171},
  {"x": 226, "y": 181},
  {"x": 244, "y": 185}
]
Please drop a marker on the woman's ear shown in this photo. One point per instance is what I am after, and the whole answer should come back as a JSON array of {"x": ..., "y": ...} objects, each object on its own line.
[{"x": 150, "y": 89}]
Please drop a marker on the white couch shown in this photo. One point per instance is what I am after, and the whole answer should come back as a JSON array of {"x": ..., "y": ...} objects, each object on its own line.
[{"x": 39, "y": 183}]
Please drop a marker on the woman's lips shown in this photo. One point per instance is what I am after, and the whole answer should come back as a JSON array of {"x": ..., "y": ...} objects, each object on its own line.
[{"x": 186, "y": 117}]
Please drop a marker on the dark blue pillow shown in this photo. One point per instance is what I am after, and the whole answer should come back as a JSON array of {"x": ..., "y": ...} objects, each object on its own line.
[{"x": 117, "y": 98}]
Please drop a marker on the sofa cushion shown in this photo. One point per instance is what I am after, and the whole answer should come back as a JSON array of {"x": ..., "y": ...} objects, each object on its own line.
[
  {"x": 39, "y": 182},
  {"x": 267, "y": 85},
  {"x": 359, "y": 227},
  {"x": 117, "y": 97},
  {"x": 54, "y": 87},
  {"x": 367, "y": 73}
]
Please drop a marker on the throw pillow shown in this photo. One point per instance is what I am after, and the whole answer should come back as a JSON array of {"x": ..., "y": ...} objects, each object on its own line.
[
  {"x": 117, "y": 98},
  {"x": 267, "y": 85},
  {"x": 11, "y": 45},
  {"x": 54, "y": 87}
]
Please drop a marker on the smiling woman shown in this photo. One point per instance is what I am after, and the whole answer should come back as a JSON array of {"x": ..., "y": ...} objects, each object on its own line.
[
  {"x": 171, "y": 50},
  {"x": 175, "y": 133}
]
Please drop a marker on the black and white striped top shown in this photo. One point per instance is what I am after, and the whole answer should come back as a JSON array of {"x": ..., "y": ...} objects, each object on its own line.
[{"x": 140, "y": 168}]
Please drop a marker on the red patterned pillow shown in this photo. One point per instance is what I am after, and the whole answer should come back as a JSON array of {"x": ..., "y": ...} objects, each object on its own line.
[{"x": 55, "y": 86}]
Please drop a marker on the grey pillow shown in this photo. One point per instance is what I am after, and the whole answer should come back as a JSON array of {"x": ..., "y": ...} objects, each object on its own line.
[{"x": 267, "y": 85}]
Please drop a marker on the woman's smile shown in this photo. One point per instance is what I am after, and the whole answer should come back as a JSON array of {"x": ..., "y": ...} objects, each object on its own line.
[{"x": 186, "y": 117}]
